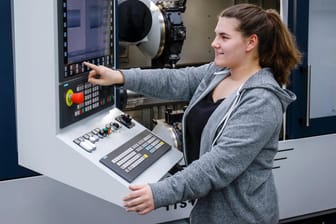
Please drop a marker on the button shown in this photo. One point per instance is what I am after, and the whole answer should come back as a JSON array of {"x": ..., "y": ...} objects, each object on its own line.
[
  {"x": 81, "y": 139},
  {"x": 77, "y": 141},
  {"x": 126, "y": 158},
  {"x": 88, "y": 146},
  {"x": 125, "y": 165},
  {"x": 77, "y": 98},
  {"x": 93, "y": 139},
  {"x": 105, "y": 131},
  {"x": 115, "y": 125},
  {"x": 91, "y": 144}
]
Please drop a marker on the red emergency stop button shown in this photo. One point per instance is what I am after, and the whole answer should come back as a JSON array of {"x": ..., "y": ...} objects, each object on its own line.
[
  {"x": 77, "y": 98},
  {"x": 71, "y": 97}
]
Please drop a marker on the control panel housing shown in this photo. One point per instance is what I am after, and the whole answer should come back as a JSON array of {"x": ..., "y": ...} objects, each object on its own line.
[{"x": 55, "y": 113}]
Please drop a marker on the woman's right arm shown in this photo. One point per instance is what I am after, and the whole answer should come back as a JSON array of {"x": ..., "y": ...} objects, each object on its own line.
[
  {"x": 173, "y": 84},
  {"x": 101, "y": 75}
]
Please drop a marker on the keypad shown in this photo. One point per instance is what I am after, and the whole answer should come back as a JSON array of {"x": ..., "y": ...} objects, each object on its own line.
[{"x": 135, "y": 156}]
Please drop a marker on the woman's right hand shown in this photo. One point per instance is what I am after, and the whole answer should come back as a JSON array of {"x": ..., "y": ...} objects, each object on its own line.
[{"x": 101, "y": 75}]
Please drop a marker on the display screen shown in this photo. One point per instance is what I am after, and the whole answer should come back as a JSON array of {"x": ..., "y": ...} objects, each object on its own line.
[{"x": 88, "y": 34}]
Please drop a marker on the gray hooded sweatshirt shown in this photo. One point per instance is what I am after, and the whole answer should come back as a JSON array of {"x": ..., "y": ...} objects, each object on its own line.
[{"x": 232, "y": 180}]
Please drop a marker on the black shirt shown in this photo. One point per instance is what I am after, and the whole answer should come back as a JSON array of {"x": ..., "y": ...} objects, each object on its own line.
[{"x": 195, "y": 122}]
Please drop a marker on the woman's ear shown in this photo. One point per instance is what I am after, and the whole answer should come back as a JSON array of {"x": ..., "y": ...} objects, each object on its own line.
[{"x": 252, "y": 42}]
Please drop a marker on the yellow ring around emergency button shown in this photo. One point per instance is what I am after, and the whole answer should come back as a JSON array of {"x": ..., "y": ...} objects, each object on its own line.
[{"x": 68, "y": 95}]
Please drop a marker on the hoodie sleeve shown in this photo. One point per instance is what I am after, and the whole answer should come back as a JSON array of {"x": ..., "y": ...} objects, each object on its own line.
[
  {"x": 173, "y": 84},
  {"x": 254, "y": 122}
]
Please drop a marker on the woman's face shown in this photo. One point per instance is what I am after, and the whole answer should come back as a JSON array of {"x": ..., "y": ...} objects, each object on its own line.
[{"x": 229, "y": 43}]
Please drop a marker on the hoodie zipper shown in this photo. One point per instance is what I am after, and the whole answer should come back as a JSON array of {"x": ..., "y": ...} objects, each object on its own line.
[{"x": 227, "y": 115}]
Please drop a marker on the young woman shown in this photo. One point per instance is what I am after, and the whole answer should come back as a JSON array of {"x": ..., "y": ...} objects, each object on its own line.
[{"x": 231, "y": 126}]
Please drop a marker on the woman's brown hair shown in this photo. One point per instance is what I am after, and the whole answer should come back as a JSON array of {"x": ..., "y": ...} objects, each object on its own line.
[{"x": 277, "y": 48}]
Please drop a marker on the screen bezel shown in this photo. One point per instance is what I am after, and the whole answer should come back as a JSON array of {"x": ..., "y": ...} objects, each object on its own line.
[{"x": 77, "y": 69}]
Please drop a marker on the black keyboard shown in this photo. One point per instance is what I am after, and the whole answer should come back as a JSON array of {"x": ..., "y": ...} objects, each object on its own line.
[{"x": 135, "y": 156}]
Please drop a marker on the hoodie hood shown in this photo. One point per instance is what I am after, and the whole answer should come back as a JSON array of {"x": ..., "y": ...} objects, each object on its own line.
[{"x": 264, "y": 79}]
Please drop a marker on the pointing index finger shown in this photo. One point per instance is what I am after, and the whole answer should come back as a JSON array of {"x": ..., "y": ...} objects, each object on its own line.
[{"x": 90, "y": 65}]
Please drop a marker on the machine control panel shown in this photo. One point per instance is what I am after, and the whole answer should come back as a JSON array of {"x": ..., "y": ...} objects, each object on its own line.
[
  {"x": 79, "y": 99},
  {"x": 86, "y": 33},
  {"x": 132, "y": 157}
]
